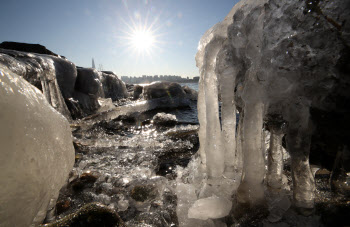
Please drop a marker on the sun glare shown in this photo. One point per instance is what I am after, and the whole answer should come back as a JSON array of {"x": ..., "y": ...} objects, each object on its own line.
[{"x": 142, "y": 40}]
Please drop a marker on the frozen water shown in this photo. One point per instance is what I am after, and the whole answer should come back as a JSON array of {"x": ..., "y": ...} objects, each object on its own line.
[
  {"x": 36, "y": 152},
  {"x": 105, "y": 104},
  {"x": 211, "y": 207},
  {"x": 258, "y": 62}
]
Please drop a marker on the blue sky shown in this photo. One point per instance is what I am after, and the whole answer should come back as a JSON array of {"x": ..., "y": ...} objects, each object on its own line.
[{"x": 82, "y": 29}]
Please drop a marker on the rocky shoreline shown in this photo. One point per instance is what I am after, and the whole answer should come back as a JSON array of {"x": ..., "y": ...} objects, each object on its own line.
[{"x": 82, "y": 148}]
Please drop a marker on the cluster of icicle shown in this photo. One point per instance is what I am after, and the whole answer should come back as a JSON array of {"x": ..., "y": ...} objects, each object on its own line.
[{"x": 231, "y": 153}]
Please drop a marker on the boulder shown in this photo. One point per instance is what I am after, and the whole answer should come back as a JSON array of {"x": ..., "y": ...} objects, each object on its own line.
[
  {"x": 163, "y": 119},
  {"x": 89, "y": 82},
  {"x": 54, "y": 76},
  {"x": 36, "y": 155},
  {"x": 137, "y": 91},
  {"x": 113, "y": 87},
  {"x": 163, "y": 89},
  {"x": 27, "y": 47},
  {"x": 190, "y": 93}
]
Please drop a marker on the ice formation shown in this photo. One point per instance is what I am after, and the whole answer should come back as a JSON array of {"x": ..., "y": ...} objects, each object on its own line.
[
  {"x": 73, "y": 91},
  {"x": 36, "y": 152},
  {"x": 271, "y": 61},
  {"x": 211, "y": 207}
]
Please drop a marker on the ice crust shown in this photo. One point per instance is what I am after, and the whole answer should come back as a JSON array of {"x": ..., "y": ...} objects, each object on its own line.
[
  {"x": 272, "y": 61},
  {"x": 36, "y": 152}
]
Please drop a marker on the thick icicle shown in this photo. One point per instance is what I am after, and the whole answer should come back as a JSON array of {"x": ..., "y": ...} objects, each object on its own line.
[
  {"x": 251, "y": 189},
  {"x": 208, "y": 106},
  {"x": 298, "y": 145},
  {"x": 227, "y": 77},
  {"x": 203, "y": 123},
  {"x": 275, "y": 156},
  {"x": 214, "y": 154}
]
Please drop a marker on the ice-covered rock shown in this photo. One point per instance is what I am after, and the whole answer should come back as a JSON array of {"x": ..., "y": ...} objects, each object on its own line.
[
  {"x": 36, "y": 152},
  {"x": 113, "y": 86},
  {"x": 89, "y": 82},
  {"x": 71, "y": 90},
  {"x": 27, "y": 47},
  {"x": 163, "y": 89},
  {"x": 190, "y": 93},
  {"x": 163, "y": 119},
  {"x": 54, "y": 76}
]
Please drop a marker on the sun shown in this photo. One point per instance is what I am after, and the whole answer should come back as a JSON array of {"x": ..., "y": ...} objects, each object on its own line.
[{"x": 142, "y": 40}]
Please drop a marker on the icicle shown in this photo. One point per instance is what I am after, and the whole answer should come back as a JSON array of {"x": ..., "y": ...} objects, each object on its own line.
[
  {"x": 202, "y": 122},
  {"x": 238, "y": 164},
  {"x": 298, "y": 145},
  {"x": 227, "y": 72},
  {"x": 251, "y": 190},
  {"x": 275, "y": 157}
]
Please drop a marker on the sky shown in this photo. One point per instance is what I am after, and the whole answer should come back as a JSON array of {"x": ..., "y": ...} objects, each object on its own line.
[{"x": 129, "y": 37}]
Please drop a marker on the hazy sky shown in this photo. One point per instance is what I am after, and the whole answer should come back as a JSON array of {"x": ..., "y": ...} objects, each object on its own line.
[{"x": 105, "y": 30}]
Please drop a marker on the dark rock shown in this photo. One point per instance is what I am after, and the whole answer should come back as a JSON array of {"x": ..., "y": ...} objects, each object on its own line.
[
  {"x": 66, "y": 75},
  {"x": 130, "y": 87},
  {"x": 62, "y": 206},
  {"x": 137, "y": 91},
  {"x": 89, "y": 82},
  {"x": 190, "y": 93},
  {"x": 43, "y": 71},
  {"x": 27, "y": 47},
  {"x": 113, "y": 87},
  {"x": 83, "y": 104},
  {"x": 85, "y": 180},
  {"x": 90, "y": 215},
  {"x": 165, "y": 120},
  {"x": 141, "y": 193},
  {"x": 163, "y": 89}
]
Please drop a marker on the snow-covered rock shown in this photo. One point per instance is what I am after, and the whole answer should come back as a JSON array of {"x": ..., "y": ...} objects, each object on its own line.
[{"x": 36, "y": 152}]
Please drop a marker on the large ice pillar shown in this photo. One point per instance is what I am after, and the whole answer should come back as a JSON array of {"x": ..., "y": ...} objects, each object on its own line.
[
  {"x": 212, "y": 155},
  {"x": 227, "y": 68},
  {"x": 251, "y": 188},
  {"x": 298, "y": 145}
]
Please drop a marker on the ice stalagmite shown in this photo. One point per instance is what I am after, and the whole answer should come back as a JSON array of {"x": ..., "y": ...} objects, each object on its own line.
[
  {"x": 275, "y": 156},
  {"x": 298, "y": 144}
]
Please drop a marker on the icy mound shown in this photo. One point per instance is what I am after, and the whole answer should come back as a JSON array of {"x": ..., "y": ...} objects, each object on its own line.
[{"x": 36, "y": 152}]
